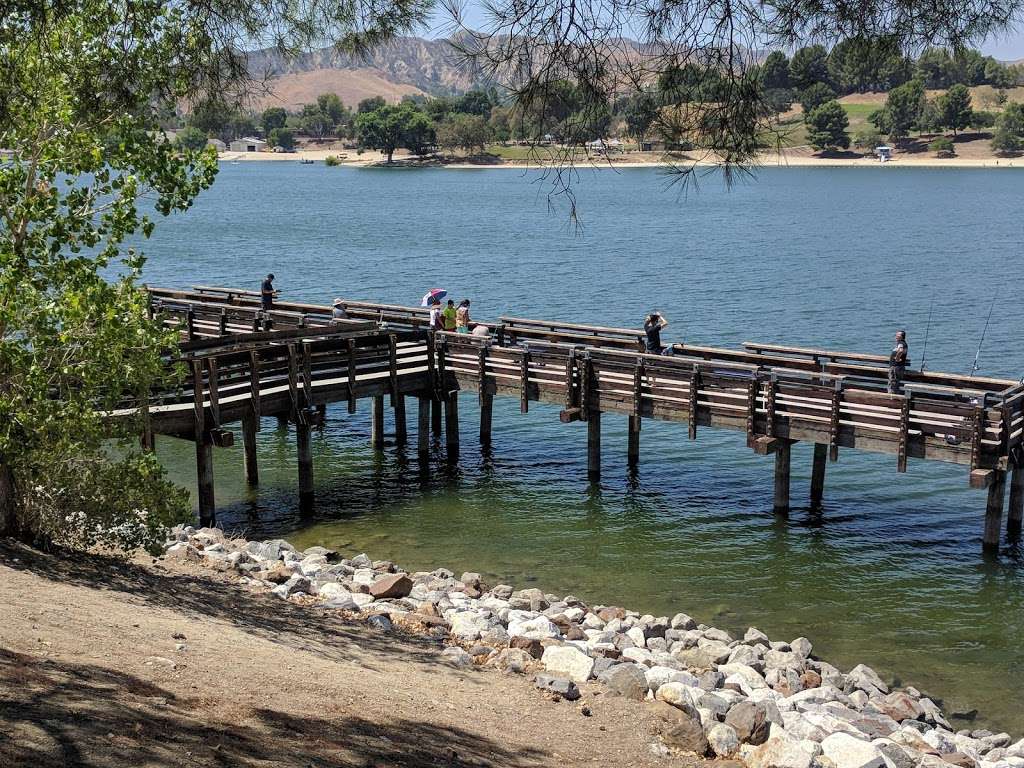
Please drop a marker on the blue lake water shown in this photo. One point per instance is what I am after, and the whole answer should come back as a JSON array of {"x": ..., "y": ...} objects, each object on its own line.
[{"x": 889, "y": 575}]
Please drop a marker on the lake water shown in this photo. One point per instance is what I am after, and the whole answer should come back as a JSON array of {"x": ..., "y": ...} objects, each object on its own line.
[{"x": 890, "y": 574}]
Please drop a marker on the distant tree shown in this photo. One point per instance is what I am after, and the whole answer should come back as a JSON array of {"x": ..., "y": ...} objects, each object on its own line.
[
  {"x": 463, "y": 131},
  {"x": 778, "y": 100},
  {"x": 191, "y": 138},
  {"x": 680, "y": 84},
  {"x": 861, "y": 64},
  {"x": 813, "y": 97},
  {"x": 390, "y": 127},
  {"x": 775, "y": 71},
  {"x": 955, "y": 108},
  {"x": 809, "y": 66},
  {"x": 866, "y": 137},
  {"x": 997, "y": 75},
  {"x": 474, "y": 103},
  {"x": 970, "y": 67},
  {"x": 1009, "y": 133},
  {"x": 371, "y": 104},
  {"x": 273, "y": 117},
  {"x": 439, "y": 108},
  {"x": 931, "y": 118},
  {"x": 315, "y": 122},
  {"x": 827, "y": 127},
  {"x": 640, "y": 113},
  {"x": 936, "y": 68},
  {"x": 981, "y": 119},
  {"x": 903, "y": 109},
  {"x": 330, "y": 104},
  {"x": 942, "y": 146},
  {"x": 281, "y": 137},
  {"x": 500, "y": 123}
]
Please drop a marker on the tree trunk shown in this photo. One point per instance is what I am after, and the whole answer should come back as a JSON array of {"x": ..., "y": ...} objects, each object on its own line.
[
  {"x": 390, "y": 153},
  {"x": 8, "y": 518}
]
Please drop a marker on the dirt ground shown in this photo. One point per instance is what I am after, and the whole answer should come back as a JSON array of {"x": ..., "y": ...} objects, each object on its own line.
[{"x": 91, "y": 674}]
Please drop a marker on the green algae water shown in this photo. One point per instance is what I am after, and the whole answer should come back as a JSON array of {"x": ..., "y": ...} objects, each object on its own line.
[{"x": 889, "y": 574}]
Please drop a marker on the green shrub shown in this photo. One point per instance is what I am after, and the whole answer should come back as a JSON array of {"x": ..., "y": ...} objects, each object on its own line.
[
  {"x": 332, "y": 161},
  {"x": 942, "y": 147}
]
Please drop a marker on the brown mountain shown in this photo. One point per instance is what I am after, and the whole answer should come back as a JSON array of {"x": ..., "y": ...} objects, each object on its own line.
[{"x": 404, "y": 66}]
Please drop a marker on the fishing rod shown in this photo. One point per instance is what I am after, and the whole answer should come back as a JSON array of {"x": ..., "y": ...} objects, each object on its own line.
[
  {"x": 927, "y": 330},
  {"x": 984, "y": 330}
]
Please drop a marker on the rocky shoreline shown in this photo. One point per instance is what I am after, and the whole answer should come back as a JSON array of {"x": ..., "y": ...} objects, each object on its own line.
[{"x": 766, "y": 704}]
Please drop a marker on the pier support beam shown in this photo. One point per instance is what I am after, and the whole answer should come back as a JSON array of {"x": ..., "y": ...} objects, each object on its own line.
[
  {"x": 818, "y": 475},
  {"x": 423, "y": 427},
  {"x": 1013, "y": 522},
  {"x": 401, "y": 435},
  {"x": 451, "y": 424},
  {"x": 250, "y": 426},
  {"x": 435, "y": 418},
  {"x": 377, "y": 423},
  {"x": 633, "y": 448},
  {"x": 782, "y": 471},
  {"x": 305, "y": 454},
  {"x": 282, "y": 421},
  {"x": 594, "y": 445},
  {"x": 204, "y": 483},
  {"x": 486, "y": 408},
  {"x": 994, "y": 511}
]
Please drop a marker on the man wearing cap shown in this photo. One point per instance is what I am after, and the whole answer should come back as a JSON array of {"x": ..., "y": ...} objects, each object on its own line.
[
  {"x": 267, "y": 292},
  {"x": 339, "y": 313}
]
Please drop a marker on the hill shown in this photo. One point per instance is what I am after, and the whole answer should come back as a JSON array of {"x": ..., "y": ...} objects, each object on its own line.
[{"x": 403, "y": 66}]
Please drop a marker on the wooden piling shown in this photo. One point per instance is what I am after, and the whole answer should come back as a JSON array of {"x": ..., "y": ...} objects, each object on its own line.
[
  {"x": 594, "y": 445},
  {"x": 633, "y": 449},
  {"x": 435, "y": 418},
  {"x": 282, "y": 421},
  {"x": 377, "y": 423},
  {"x": 305, "y": 456},
  {"x": 994, "y": 511},
  {"x": 1013, "y": 522},
  {"x": 423, "y": 427},
  {"x": 451, "y": 424},
  {"x": 782, "y": 471},
  {"x": 401, "y": 434},
  {"x": 250, "y": 426},
  {"x": 204, "y": 483},
  {"x": 818, "y": 474},
  {"x": 486, "y": 408}
]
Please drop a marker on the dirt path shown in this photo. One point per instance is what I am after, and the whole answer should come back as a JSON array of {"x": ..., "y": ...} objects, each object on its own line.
[{"x": 91, "y": 674}]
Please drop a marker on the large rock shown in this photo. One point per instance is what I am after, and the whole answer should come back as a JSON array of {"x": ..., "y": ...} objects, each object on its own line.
[
  {"x": 565, "y": 688},
  {"x": 701, "y": 658},
  {"x": 333, "y": 591},
  {"x": 745, "y": 677},
  {"x": 865, "y": 678},
  {"x": 531, "y": 645},
  {"x": 392, "y": 585},
  {"x": 468, "y": 626},
  {"x": 750, "y": 722},
  {"x": 512, "y": 660},
  {"x": 846, "y": 751},
  {"x": 679, "y": 729},
  {"x": 781, "y": 751},
  {"x": 900, "y": 706},
  {"x": 657, "y": 676},
  {"x": 679, "y": 695},
  {"x": 626, "y": 680},
  {"x": 567, "y": 661},
  {"x": 723, "y": 740},
  {"x": 536, "y": 628}
]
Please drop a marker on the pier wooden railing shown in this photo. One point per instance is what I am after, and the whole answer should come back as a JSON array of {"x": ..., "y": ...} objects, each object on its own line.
[{"x": 775, "y": 394}]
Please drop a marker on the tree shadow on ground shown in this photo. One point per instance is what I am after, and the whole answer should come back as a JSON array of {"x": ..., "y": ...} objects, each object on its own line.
[
  {"x": 64, "y": 714},
  {"x": 212, "y": 595}
]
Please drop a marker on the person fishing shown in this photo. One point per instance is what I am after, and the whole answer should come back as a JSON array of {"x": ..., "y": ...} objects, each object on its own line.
[
  {"x": 653, "y": 324},
  {"x": 898, "y": 362},
  {"x": 267, "y": 292},
  {"x": 339, "y": 313},
  {"x": 448, "y": 315},
  {"x": 462, "y": 317}
]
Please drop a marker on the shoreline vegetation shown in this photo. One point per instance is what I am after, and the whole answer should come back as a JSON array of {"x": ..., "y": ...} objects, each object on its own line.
[
  {"x": 764, "y": 703},
  {"x": 795, "y": 158}
]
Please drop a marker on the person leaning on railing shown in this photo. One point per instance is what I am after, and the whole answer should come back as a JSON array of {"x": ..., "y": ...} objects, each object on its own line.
[{"x": 653, "y": 324}]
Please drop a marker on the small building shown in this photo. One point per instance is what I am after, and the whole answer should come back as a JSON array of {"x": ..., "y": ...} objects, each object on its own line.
[
  {"x": 884, "y": 154},
  {"x": 217, "y": 144},
  {"x": 248, "y": 144}
]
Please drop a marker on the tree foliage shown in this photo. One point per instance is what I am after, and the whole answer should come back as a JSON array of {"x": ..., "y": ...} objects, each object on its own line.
[
  {"x": 1009, "y": 134},
  {"x": 463, "y": 131},
  {"x": 809, "y": 66},
  {"x": 902, "y": 112},
  {"x": 827, "y": 126},
  {"x": 392, "y": 126},
  {"x": 87, "y": 86},
  {"x": 775, "y": 71},
  {"x": 813, "y": 97},
  {"x": 955, "y": 108}
]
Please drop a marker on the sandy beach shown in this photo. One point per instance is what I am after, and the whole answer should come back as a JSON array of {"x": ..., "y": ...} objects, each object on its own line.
[{"x": 798, "y": 157}]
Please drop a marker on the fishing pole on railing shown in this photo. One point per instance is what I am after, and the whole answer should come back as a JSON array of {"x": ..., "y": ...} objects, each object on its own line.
[
  {"x": 977, "y": 355},
  {"x": 927, "y": 331}
]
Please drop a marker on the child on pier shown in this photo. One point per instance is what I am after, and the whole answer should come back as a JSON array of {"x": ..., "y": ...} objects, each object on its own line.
[{"x": 462, "y": 317}]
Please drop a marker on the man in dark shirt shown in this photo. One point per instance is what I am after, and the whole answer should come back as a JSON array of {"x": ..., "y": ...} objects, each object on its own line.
[
  {"x": 267, "y": 292},
  {"x": 652, "y": 327},
  {"x": 898, "y": 362}
]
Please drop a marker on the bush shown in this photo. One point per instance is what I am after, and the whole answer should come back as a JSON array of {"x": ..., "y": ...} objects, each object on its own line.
[
  {"x": 1006, "y": 143},
  {"x": 867, "y": 138},
  {"x": 982, "y": 119},
  {"x": 331, "y": 161},
  {"x": 943, "y": 147}
]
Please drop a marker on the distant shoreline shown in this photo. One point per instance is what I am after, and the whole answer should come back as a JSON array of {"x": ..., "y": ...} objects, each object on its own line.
[{"x": 794, "y": 159}]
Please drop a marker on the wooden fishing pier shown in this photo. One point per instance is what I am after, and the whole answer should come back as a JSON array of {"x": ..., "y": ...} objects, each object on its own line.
[{"x": 244, "y": 363}]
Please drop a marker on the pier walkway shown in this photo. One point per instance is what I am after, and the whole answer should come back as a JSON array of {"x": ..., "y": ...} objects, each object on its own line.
[{"x": 242, "y": 363}]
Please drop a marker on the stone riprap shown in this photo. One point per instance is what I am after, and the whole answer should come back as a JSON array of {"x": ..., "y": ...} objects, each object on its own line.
[{"x": 766, "y": 703}]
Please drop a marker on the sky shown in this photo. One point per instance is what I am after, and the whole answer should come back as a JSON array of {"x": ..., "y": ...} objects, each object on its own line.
[{"x": 1008, "y": 46}]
